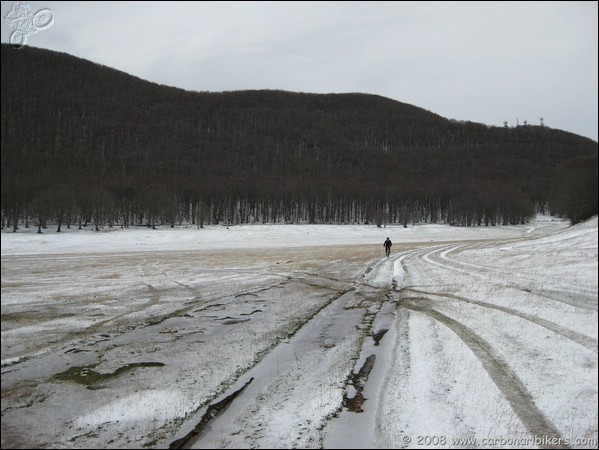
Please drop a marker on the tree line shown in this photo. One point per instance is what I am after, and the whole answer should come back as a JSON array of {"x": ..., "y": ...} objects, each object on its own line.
[{"x": 84, "y": 144}]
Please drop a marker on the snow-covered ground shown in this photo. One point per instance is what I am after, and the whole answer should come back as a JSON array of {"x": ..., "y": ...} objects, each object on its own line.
[{"x": 301, "y": 336}]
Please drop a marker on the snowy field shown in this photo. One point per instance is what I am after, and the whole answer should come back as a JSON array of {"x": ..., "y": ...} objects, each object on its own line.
[{"x": 301, "y": 336}]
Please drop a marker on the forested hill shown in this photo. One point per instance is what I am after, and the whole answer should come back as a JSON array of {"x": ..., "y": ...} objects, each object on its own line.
[{"x": 85, "y": 143}]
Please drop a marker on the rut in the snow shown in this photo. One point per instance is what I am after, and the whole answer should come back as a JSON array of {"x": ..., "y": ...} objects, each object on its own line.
[
  {"x": 573, "y": 335},
  {"x": 506, "y": 380},
  {"x": 212, "y": 411}
]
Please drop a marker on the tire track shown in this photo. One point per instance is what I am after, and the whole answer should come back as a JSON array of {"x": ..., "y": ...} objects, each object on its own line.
[
  {"x": 506, "y": 380},
  {"x": 574, "y": 336},
  {"x": 581, "y": 290},
  {"x": 582, "y": 300}
]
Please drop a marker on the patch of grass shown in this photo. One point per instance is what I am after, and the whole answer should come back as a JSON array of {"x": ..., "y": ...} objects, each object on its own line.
[{"x": 86, "y": 375}]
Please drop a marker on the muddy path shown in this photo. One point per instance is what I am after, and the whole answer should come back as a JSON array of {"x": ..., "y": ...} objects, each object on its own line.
[{"x": 312, "y": 371}]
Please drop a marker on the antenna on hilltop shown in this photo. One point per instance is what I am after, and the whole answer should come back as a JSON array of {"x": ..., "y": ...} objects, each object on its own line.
[{"x": 542, "y": 123}]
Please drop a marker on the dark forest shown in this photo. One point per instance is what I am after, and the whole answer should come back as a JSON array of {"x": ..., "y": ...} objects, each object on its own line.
[{"x": 87, "y": 145}]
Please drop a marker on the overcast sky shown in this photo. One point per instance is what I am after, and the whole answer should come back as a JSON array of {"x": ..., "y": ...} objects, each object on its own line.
[{"x": 486, "y": 62}]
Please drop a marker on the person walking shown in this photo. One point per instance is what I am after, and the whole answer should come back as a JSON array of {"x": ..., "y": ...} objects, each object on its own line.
[{"x": 387, "y": 246}]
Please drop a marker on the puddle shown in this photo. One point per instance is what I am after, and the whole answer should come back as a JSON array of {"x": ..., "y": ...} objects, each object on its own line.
[
  {"x": 379, "y": 335},
  {"x": 357, "y": 381}
]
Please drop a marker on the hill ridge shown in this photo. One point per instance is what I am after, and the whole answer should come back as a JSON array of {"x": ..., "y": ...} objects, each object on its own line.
[{"x": 93, "y": 143}]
